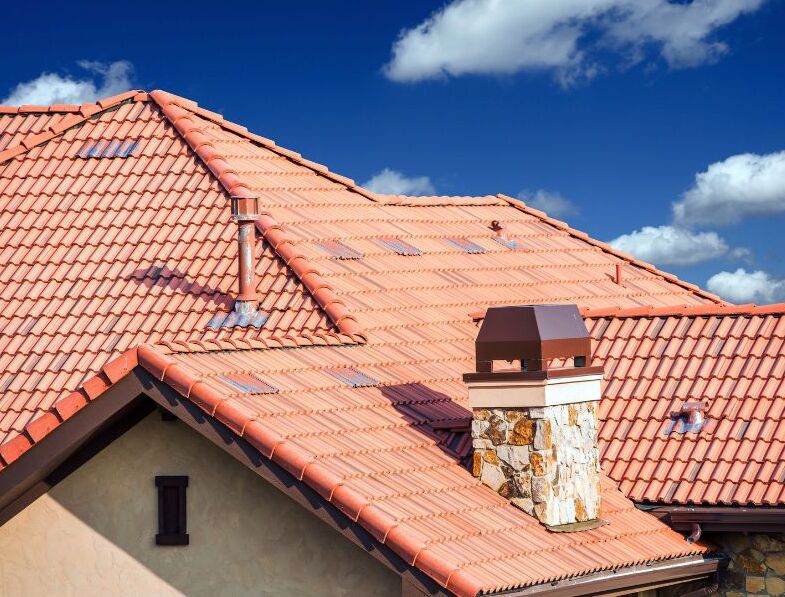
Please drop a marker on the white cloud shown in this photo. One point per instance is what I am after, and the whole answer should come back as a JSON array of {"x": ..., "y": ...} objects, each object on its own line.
[
  {"x": 742, "y": 185},
  {"x": 553, "y": 204},
  {"x": 669, "y": 245},
  {"x": 564, "y": 36},
  {"x": 742, "y": 286},
  {"x": 393, "y": 182},
  {"x": 102, "y": 80}
]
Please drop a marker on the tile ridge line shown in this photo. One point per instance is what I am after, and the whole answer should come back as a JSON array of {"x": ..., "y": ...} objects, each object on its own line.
[
  {"x": 684, "y": 311},
  {"x": 322, "y": 292},
  {"x": 80, "y": 114},
  {"x": 305, "y": 467},
  {"x": 521, "y": 206},
  {"x": 218, "y": 119}
]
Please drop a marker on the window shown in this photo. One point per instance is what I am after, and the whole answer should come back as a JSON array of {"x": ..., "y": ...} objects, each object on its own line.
[{"x": 171, "y": 510}]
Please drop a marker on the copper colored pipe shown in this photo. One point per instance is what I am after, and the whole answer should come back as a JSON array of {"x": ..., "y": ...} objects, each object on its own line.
[
  {"x": 619, "y": 270},
  {"x": 246, "y": 239}
]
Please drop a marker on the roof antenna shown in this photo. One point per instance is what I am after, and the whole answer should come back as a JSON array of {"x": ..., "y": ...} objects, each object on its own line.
[{"x": 245, "y": 211}]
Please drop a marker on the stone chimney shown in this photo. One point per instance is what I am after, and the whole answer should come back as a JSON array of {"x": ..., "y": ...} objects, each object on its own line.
[{"x": 534, "y": 426}]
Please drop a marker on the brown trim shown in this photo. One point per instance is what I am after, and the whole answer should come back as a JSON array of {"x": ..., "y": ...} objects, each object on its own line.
[
  {"x": 758, "y": 519},
  {"x": 532, "y": 375},
  {"x": 627, "y": 580},
  {"x": 69, "y": 445},
  {"x": 246, "y": 454}
]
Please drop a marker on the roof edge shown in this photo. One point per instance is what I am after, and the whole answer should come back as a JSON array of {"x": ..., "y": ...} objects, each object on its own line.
[
  {"x": 62, "y": 410},
  {"x": 520, "y": 205},
  {"x": 77, "y": 115},
  {"x": 684, "y": 311},
  {"x": 324, "y": 294}
]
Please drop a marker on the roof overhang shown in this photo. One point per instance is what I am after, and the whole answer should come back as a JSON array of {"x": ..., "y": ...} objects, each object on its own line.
[{"x": 741, "y": 519}]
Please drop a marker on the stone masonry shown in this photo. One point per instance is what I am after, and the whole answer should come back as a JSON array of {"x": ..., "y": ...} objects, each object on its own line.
[
  {"x": 757, "y": 563},
  {"x": 545, "y": 460}
]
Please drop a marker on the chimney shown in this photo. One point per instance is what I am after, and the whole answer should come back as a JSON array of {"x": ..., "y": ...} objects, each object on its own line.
[
  {"x": 245, "y": 211},
  {"x": 534, "y": 426}
]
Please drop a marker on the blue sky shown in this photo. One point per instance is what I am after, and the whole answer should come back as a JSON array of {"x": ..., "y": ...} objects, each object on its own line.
[{"x": 605, "y": 112}]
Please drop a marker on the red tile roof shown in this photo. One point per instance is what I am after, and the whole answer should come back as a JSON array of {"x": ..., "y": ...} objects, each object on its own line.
[
  {"x": 105, "y": 255},
  {"x": 733, "y": 359}
]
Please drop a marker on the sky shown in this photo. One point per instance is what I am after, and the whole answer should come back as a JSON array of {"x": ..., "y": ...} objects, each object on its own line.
[{"x": 656, "y": 125}]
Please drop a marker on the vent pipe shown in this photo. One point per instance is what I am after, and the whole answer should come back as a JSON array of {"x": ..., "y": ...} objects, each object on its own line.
[
  {"x": 619, "y": 274},
  {"x": 245, "y": 211}
]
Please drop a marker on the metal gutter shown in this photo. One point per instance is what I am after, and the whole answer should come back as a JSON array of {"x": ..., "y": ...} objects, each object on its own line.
[
  {"x": 627, "y": 580},
  {"x": 758, "y": 519}
]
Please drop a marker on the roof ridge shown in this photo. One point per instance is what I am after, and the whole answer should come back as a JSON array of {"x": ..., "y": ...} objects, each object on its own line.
[
  {"x": 324, "y": 294},
  {"x": 77, "y": 115},
  {"x": 685, "y": 311},
  {"x": 216, "y": 118},
  {"x": 520, "y": 205}
]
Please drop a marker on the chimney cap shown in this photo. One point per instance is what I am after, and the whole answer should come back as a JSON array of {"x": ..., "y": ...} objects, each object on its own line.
[
  {"x": 533, "y": 333},
  {"x": 245, "y": 209}
]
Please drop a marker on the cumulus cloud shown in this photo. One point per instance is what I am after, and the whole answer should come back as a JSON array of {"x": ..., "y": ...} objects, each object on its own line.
[
  {"x": 101, "y": 80},
  {"x": 393, "y": 182},
  {"x": 553, "y": 204},
  {"x": 742, "y": 286},
  {"x": 563, "y": 36},
  {"x": 741, "y": 185},
  {"x": 670, "y": 245}
]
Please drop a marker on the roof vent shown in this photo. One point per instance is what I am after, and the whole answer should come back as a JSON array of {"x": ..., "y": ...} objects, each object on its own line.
[
  {"x": 107, "y": 149},
  {"x": 353, "y": 377},
  {"x": 247, "y": 383},
  {"x": 338, "y": 249},
  {"x": 399, "y": 246},
  {"x": 465, "y": 245},
  {"x": 689, "y": 418}
]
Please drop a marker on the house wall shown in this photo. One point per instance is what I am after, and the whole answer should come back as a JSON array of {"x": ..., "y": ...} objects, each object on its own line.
[
  {"x": 757, "y": 563},
  {"x": 94, "y": 533}
]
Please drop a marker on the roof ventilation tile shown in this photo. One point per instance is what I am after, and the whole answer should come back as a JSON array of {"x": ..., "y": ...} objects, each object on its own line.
[
  {"x": 399, "y": 246},
  {"x": 465, "y": 245},
  {"x": 338, "y": 249},
  {"x": 353, "y": 377},
  {"x": 107, "y": 149},
  {"x": 510, "y": 243},
  {"x": 247, "y": 384},
  {"x": 689, "y": 419}
]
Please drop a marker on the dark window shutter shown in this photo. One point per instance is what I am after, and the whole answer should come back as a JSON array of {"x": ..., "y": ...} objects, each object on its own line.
[{"x": 172, "y": 527}]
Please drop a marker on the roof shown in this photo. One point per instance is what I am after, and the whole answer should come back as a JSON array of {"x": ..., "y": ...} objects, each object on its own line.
[
  {"x": 113, "y": 261},
  {"x": 731, "y": 358}
]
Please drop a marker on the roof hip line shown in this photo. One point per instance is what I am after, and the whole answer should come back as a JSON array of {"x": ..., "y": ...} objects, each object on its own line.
[{"x": 270, "y": 229}]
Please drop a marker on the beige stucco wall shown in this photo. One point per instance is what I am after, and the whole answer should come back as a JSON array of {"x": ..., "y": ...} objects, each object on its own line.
[{"x": 94, "y": 533}]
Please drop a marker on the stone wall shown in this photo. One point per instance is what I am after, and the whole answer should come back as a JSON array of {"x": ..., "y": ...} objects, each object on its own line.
[
  {"x": 757, "y": 563},
  {"x": 544, "y": 459}
]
